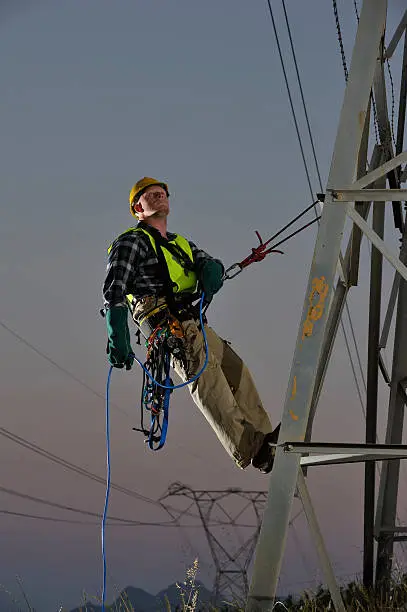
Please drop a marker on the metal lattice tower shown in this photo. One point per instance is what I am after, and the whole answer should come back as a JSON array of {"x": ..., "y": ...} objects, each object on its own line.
[
  {"x": 364, "y": 178},
  {"x": 218, "y": 509}
]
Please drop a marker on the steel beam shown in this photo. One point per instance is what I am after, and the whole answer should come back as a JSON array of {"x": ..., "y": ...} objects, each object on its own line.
[
  {"x": 369, "y": 195},
  {"x": 361, "y": 207},
  {"x": 336, "y": 459},
  {"x": 385, "y": 527},
  {"x": 396, "y": 36},
  {"x": 380, "y": 450},
  {"x": 395, "y": 529},
  {"x": 319, "y": 543},
  {"x": 310, "y": 339},
  {"x": 350, "y": 266},
  {"x": 371, "y": 396},
  {"x": 378, "y": 242},
  {"x": 379, "y": 171},
  {"x": 390, "y": 311},
  {"x": 402, "y": 102},
  {"x": 385, "y": 133},
  {"x": 389, "y": 481}
]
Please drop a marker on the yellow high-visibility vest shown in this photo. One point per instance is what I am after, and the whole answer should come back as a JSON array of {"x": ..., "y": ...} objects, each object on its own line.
[{"x": 182, "y": 279}]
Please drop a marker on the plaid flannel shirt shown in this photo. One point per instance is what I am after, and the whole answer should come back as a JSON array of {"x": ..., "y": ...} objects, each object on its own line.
[{"x": 133, "y": 268}]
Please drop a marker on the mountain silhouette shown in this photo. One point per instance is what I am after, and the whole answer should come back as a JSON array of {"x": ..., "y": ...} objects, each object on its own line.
[{"x": 132, "y": 598}]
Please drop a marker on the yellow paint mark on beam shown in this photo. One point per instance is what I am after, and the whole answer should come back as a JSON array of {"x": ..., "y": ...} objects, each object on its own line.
[
  {"x": 316, "y": 299},
  {"x": 294, "y": 388},
  {"x": 293, "y": 394}
]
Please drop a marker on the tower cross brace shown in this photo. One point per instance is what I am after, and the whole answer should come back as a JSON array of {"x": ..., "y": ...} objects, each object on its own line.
[{"x": 356, "y": 186}]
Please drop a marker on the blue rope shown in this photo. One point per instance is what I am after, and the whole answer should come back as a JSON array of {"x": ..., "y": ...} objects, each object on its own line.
[
  {"x": 165, "y": 410},
  {"x": 165, "y": 425},
  {"x": 107, "y": 486},
  {"x": 188, "y": 382}
]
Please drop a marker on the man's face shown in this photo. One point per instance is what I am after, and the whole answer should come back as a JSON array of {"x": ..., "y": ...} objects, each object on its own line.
[{"x": 153, "y": 202}]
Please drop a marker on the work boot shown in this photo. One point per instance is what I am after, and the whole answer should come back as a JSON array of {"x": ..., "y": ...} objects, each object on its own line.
[{"x": 264, "y": 459}]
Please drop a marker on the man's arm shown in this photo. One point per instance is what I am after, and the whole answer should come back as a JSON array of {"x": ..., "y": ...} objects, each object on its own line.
[
  {"x": 121, "y": 264},
  {"x": 120, "y": 267}
]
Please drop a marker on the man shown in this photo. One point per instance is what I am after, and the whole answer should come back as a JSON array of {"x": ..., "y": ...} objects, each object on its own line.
[{"x": 152, "y": 272}]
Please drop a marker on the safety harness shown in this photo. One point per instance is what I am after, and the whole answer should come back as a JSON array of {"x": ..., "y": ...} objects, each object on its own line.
[{"x": 161, "y": 329}]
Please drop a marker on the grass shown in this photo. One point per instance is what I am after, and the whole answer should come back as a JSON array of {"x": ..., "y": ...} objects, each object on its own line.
[{"x": 355, "y": 596}]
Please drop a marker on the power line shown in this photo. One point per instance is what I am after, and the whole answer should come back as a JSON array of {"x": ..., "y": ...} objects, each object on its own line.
[
  {"x": 290, "y": 98},
  {"x": 50, "y": 456},
  {"x": 321, "y": 188},
  {"x": 68, "y": 465},
  {"x": 352, "y": 365},
  {"x": 47, "y": 502},
  {"x": 316, "y": 160},
  {"x": 82, "y": 471},
  {"x": 88, "y": 523},
  {"x": 344, "y": 63},
  {"x": 71, "y": 466},
  {"x": 57, "y": 365},
  {"x": 23, "y": 340},
  {"x": 339, "y": 32},
  {"x": 302, "y": 96},
  {"x": 46, "y": 518}
]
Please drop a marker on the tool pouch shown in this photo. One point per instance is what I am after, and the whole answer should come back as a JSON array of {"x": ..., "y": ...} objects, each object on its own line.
[{"x": 149, "y": 313}]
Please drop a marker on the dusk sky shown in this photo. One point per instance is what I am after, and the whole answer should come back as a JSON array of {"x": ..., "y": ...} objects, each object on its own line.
[{"x": 96, "y": 95}]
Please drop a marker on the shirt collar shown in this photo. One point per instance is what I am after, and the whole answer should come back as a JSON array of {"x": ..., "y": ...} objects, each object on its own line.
[{"x": 153, "y": 230}]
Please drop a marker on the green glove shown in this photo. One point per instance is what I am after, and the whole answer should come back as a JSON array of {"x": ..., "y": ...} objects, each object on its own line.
[
  {"x": 118, "y": 343},
  {"x": 211, "y": 278}
]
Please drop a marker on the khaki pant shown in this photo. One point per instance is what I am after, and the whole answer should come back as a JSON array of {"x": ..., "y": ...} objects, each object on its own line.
[{"x": 225, "y": 393}]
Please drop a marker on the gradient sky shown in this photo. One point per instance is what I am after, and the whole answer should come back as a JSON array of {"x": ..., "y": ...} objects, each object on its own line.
[{"x": 95, "y": 95}]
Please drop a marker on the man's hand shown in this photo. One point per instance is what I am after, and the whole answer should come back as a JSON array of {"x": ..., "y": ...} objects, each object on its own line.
[
  {"x": 211, "y": 278},
  {"x": 119, "y": 351}
]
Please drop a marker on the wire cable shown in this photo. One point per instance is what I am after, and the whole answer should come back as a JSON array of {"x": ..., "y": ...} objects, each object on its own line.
[
  {"x": 47, "y": 502},
  {"x": 46, "y": 518},
  {"x": 317, "y": 164},
  {"x": 42, "y": 452},
  {"x": 78, "y": 469},
  {"x": 90, "y": 475},
  {"x": 340, "y": 40},
  {"x": 319, "y": 173},
  {"x": 56, "y": 365},
  {"x": 321, "y": 187},
  {"x": 290, "y": 98},
  {"x": 391, "y": 85},
  {"x": 39, "y": 450},
  {"x": 344, "y": 63},
  {"x": 92, "y": 523},
  {"x": 302, "y": 96}
]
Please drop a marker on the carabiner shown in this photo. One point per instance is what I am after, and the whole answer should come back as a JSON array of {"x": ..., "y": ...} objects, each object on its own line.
[{"x": 233, "y": 267}]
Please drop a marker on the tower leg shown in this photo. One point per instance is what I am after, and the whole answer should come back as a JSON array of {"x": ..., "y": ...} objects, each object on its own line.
[{"x": 311, "y": 335}]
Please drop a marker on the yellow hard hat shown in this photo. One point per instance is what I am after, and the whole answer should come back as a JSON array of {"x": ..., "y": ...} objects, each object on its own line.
[{"x": 141, "y": 186}]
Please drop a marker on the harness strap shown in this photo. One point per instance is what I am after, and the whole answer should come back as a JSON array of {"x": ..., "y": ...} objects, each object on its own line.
[{"x": 164, "y": 272}]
